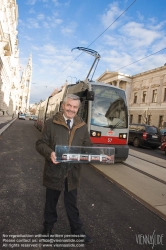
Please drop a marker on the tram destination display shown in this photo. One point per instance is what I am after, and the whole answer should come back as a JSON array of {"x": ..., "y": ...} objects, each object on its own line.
[{"x": 73, "y": 154}]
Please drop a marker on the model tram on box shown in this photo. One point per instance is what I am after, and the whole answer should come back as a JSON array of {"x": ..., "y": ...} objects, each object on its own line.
[
  {"x": 103, "y": 107},
  {"x": 87, "y": 158}
]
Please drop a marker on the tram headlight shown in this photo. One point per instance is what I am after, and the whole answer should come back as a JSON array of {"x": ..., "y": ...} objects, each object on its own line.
[
  {"x": 94, "y": 133},
  {"x": 123, "y": 136}
]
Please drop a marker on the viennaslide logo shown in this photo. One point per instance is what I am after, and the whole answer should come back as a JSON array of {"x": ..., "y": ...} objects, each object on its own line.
[{"x": 150, "y": 239}]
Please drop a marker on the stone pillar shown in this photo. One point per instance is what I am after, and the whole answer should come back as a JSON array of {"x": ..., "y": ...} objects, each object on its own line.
[
  {"x": 149, "y": 92},
  {"x": 128, "y": 92},
  {"x": 140, "y": 94},
  {"x": 159, "y": 94},
  {"x": 117, "y": 83}
]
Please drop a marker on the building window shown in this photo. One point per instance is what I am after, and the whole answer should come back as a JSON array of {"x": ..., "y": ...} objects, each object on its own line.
[
  {"x": 154, "y": 95},
  {"x": 139, "y": 118},
  {"x": 164, "y": 95},
  {"x": 131, "y": 119},
  {"x": 135, "y": 97},
  {"x": 144, "y": 96},
  {"x": 160, "y": 121}
]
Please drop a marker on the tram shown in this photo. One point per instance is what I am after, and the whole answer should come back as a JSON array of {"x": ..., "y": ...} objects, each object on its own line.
[{"x": 103, "y": 107}]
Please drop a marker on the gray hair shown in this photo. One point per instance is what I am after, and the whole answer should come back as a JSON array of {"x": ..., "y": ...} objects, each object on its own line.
[{"x": 72, "y": 97}]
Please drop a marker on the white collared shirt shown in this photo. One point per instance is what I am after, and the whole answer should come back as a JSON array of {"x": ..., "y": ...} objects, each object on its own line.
[{"x": 71, "y": 123}]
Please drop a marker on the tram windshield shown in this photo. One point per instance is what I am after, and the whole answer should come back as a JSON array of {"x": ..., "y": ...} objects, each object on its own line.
[{"x": 109, "y": 108}]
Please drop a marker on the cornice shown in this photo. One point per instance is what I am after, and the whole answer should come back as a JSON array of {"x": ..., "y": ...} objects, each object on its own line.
[
  {"x": 150, "y": 71},
  {"x": 101, "y": 77},
  {"x": 107, "y": 75},
  {"x": 114, "y": 76},
  {"x": 144, "y": 87},
  {"x": 155, "y": 85}
]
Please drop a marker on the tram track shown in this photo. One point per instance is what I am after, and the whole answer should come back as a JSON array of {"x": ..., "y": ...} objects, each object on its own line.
[
  {"x": 141, "y": 178},
  {"x": 149, "y": 167},
  {"x": 145, "y": 173},
  {"x": 148, "y": 161}
]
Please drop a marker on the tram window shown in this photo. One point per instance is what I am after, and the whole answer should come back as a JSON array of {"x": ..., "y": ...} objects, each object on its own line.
[
  {"x": 60, "y": 106},
  {"x": 83, "y": 111}
]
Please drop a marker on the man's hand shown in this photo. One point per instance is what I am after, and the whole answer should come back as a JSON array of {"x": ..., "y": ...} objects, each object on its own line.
[
  {"x": 110, "y": 158},
  {"x": 53, "y": 158}
]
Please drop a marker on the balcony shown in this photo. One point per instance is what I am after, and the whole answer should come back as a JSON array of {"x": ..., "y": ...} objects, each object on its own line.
[
  {"x": 5, "y": 39},
  {"x": 7, "y": 42}
]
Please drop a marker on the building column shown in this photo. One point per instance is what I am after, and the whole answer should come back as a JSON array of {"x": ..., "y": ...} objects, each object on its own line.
[
  {"x": 117, "y": 83},
  {"x": 139, "y": 94},
  {"x": 128, "y": 92},
  {"x": 159, "y": 94},
  {"x": 149, "y": 92}
]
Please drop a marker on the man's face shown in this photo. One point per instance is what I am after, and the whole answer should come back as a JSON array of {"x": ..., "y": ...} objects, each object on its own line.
[{"x": 70, "y": 108}]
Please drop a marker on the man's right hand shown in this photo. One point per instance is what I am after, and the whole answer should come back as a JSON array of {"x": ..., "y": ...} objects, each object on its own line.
[{"x": 53, "y": 158}]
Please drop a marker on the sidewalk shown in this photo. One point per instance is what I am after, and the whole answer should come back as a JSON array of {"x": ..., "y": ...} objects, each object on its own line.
[{"x": 5, "y": 122}]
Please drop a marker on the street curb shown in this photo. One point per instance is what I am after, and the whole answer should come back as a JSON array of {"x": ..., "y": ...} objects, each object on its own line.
[{"x": 2, "y": 130}]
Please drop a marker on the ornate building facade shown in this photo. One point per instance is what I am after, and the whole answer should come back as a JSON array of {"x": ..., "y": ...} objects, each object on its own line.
[
  {"x": 11, "y": 87},
  {"x": 25, "y": 85},
  {"x": 146, "y": 94}
]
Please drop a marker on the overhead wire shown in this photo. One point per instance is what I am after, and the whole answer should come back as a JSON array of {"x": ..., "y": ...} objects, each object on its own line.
[
  {"x": 135, "y": 62},
  {"x": 96, "y": 39},
  {"x": 142, "y": 58}
]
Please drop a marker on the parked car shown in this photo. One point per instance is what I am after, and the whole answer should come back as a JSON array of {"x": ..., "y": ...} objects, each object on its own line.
[
  {"x": 33, "y": 118},
  {"x": 163, "y": 134},
  {"x": 144, "y": 135},
  {"x": 163, "y": 147},
  {"x": 21, "y": 116},
  {"x": 27, "y": 115}
]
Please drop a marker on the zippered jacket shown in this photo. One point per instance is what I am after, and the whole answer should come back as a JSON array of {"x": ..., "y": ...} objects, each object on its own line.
[{"x": 56, "y": 132}]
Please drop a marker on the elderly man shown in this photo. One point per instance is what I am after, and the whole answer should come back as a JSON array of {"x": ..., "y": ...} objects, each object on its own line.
[{"x": 68, "y": 129}]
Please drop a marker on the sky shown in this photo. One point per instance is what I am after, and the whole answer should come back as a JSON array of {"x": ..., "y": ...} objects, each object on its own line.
[{"x": 122, "y": 32}]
